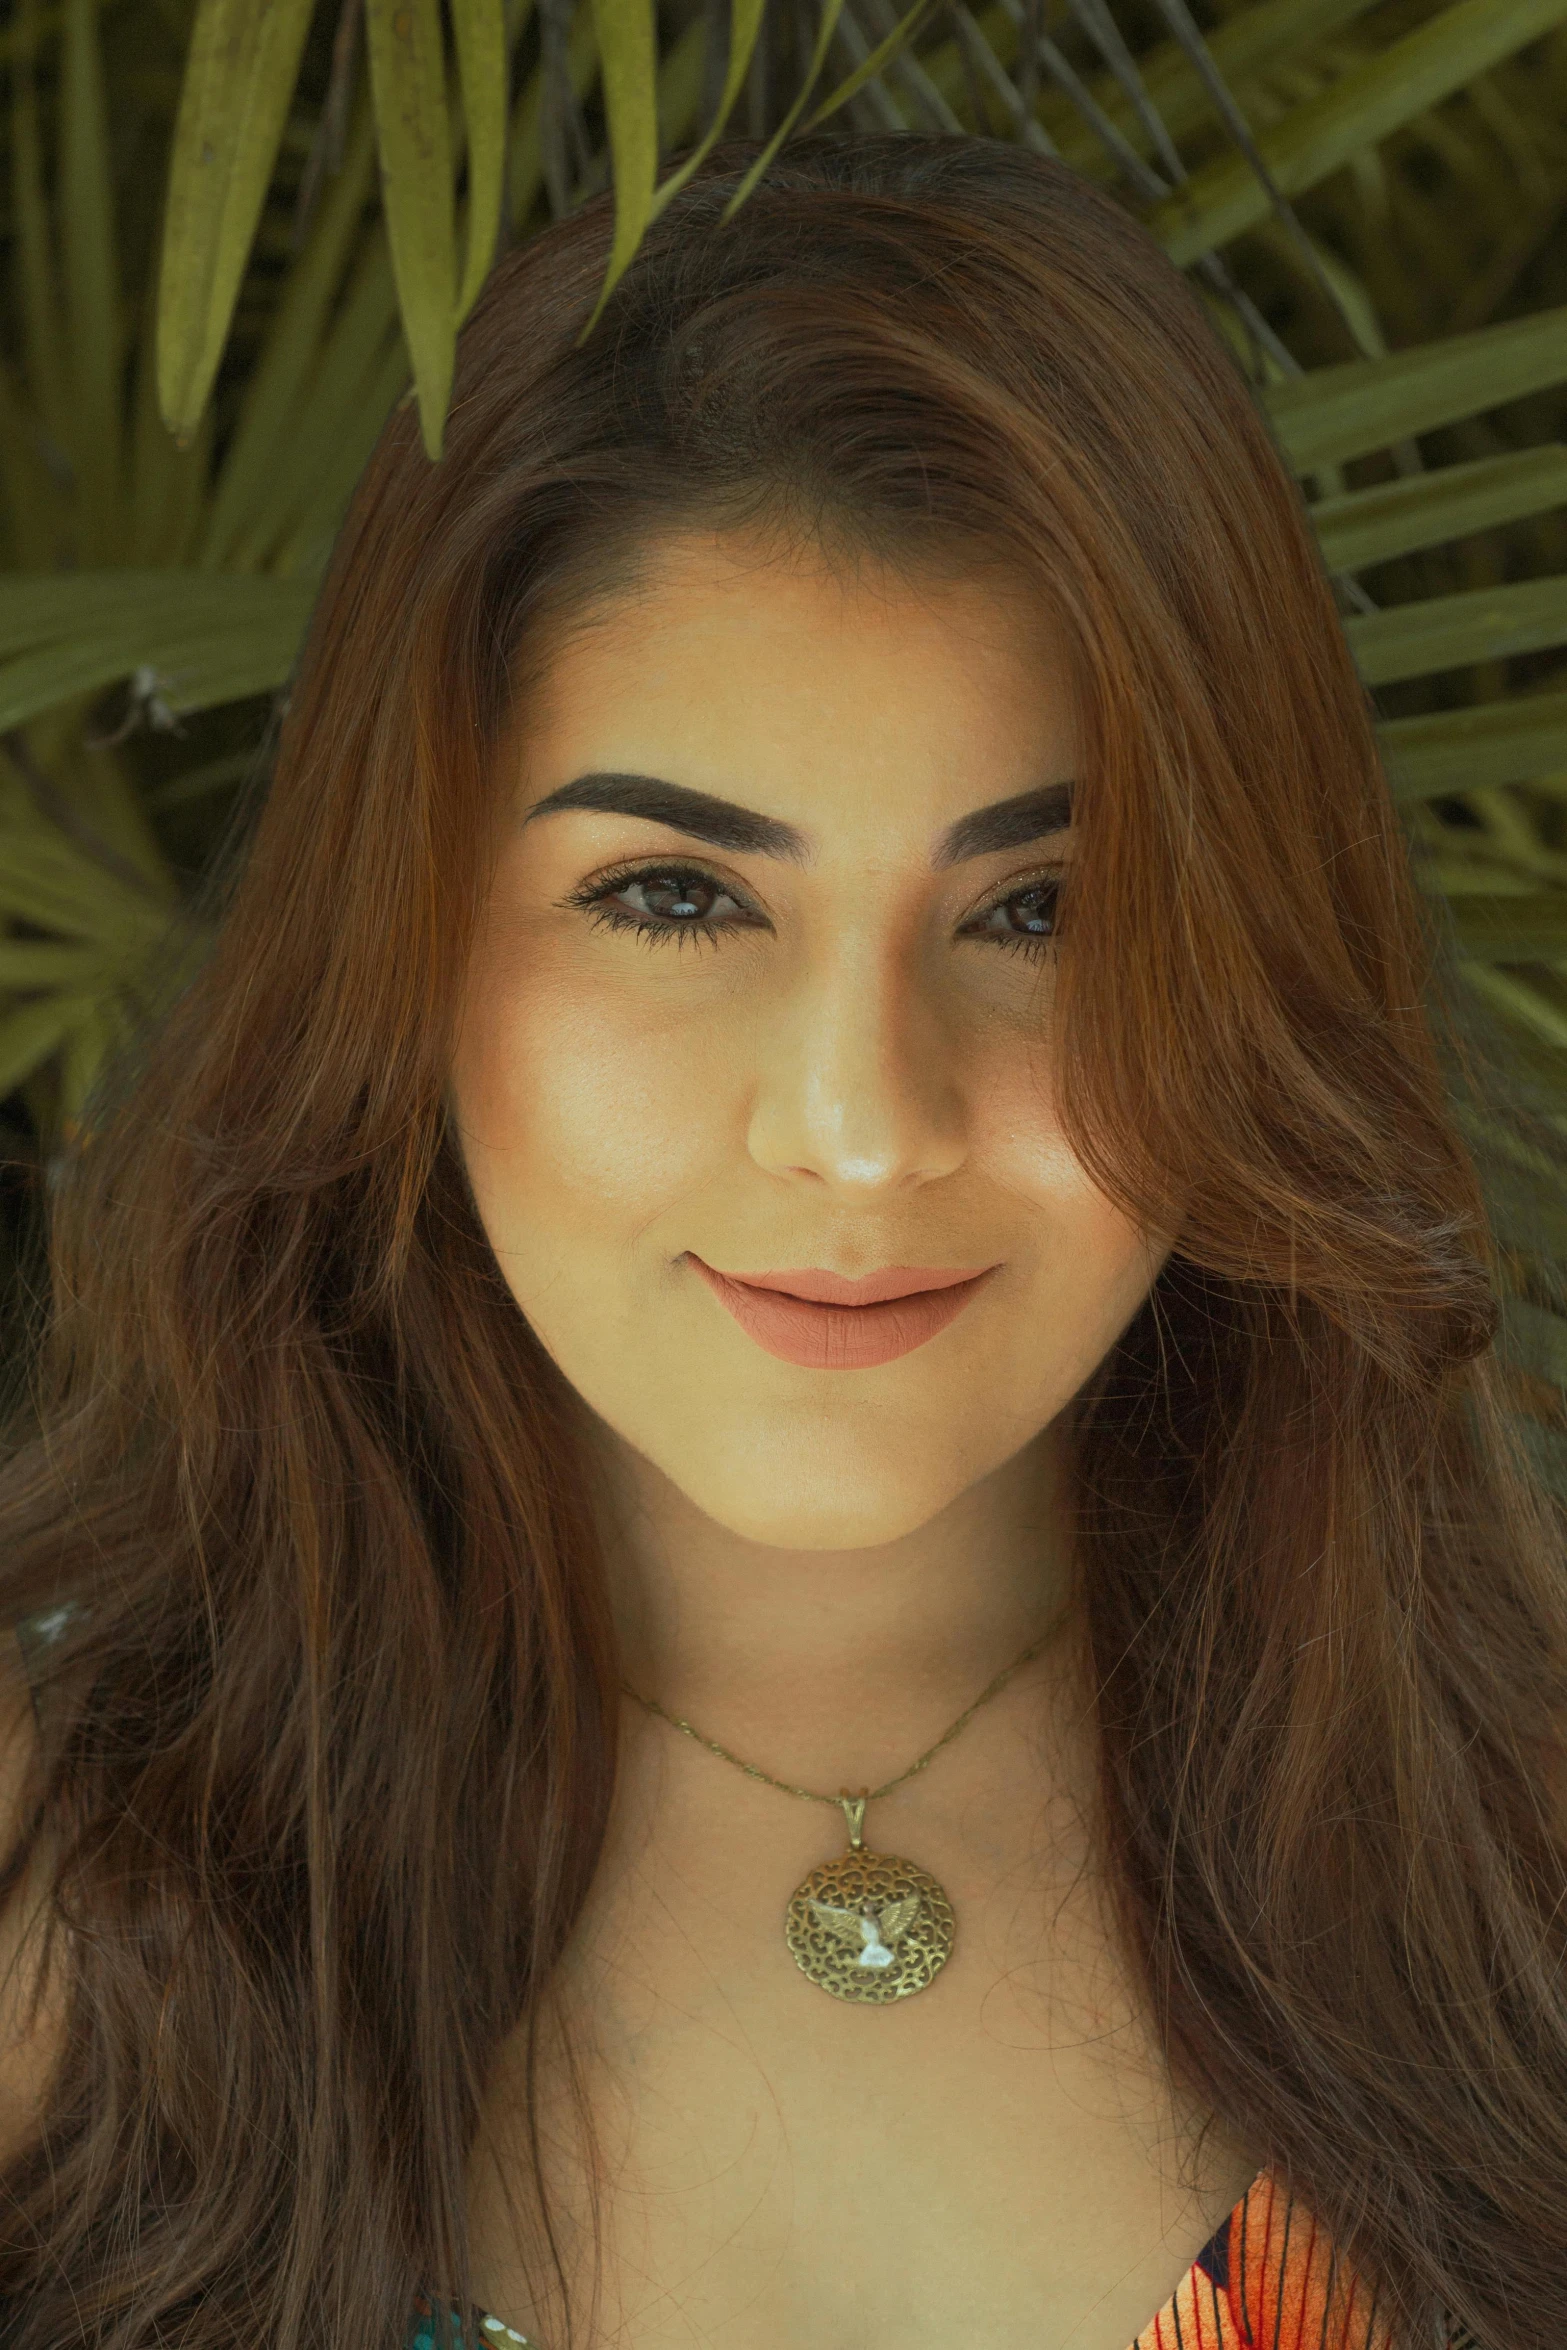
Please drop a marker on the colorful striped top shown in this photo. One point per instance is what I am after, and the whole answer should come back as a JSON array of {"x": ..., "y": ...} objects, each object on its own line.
[{"x": 1267, "y": 2279}]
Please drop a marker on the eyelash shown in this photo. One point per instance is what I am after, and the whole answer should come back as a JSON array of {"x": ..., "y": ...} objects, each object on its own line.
[{"x": 592, "y": 899}]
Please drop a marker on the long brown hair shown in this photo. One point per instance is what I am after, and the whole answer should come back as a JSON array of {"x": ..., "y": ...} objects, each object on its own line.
[{"x": 328, "y": 1713}]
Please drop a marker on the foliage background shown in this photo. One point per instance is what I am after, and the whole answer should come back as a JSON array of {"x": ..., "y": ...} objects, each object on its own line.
[{"x": 262, "y": 220}]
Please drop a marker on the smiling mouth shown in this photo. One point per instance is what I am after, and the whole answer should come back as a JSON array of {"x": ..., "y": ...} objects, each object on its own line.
[
  {"x": 833, "y": 1337},
  {"x": 822, "y": 1288}
]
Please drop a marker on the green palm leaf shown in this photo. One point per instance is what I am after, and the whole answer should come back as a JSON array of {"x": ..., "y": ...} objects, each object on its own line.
[
  {"x": 1406, "y": 80},
  {"x": 1535, "y": 1339},
  {"x": 289, "y": 353},
  {"x": 628, "y": 55},
  {"x": 244, "y": 56},
  {"x": 1488, "y": 745},
  {"x": 30, "y": 1032},
  {"x": 745, "y": 22},
  {"x": 1524, "y": 929},
  {"x": 44, "y": 877},
  {"x": 873, "y": 63},
  {"x": 201, "y": 639},
  {"x": 41, "y": 333},
  {"x": 524, "y": 154},
  {"x": 1334, "y": 413},
  {"x": 408, "y": 76},
  {"x": 1449, "y": 632},
  {"x": 91, "y": 280},
  {"x": 360, "y": 368},
  {"x": 481, "y": 63},
  {"x": 824, "y": 35},
  {"x": 1362, "y": 527},
  {"x": 1176, "y": 102}
]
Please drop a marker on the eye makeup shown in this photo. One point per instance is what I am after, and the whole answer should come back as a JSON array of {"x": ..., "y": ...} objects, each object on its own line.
[{"x": 1039, "y": 893}]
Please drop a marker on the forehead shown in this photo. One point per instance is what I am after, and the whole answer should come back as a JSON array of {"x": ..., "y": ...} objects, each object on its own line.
[
  {"x": 784, "y": 708},
  {"x": 679, "y": 579},
  {"x": 728, "y": 632}
]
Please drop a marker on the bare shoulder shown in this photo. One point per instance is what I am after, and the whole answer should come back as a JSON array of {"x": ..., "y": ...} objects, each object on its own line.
[{"x": 30, "y": 2045}]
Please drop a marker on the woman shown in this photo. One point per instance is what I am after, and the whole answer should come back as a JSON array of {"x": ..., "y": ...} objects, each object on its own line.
[{"x": 477, "y": 1362}]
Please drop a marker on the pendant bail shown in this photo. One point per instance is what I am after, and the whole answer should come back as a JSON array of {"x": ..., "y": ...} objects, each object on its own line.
[{"x": 854, "y": 1813}]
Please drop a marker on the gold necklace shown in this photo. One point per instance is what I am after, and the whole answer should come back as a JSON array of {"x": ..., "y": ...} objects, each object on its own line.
[{"x": 867, "y": 1926}]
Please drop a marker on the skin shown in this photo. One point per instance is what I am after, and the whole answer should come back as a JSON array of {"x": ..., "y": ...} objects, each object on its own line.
[{"x": 822, "y": 1568}]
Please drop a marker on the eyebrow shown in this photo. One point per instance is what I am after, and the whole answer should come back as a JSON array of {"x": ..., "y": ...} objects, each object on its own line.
[{"x": 724, "y": 824}]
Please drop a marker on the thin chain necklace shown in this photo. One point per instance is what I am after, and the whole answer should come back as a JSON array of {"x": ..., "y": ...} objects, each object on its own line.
[{"x": 867, "y": 1926}]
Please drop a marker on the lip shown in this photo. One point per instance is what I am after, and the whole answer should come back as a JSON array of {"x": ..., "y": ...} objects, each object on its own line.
[
  {"x": 871, "y": 1289},
  {"x": 904, "y": 1307}
]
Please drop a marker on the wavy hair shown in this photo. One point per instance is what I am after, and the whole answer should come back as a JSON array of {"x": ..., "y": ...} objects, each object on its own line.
[{"x": 327, "y": 1733}]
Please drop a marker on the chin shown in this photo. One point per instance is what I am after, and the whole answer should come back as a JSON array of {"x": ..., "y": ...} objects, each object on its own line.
[
  {"x": 800, "y": 1521},
  {"x": 804, "y": 1497}
]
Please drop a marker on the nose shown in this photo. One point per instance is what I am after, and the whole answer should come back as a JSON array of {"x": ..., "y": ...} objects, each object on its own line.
[{"x": 857, "y": 1081}]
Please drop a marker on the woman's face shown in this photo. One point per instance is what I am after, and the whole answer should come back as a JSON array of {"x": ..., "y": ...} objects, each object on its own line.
[{"x": 801, "y": 1018}]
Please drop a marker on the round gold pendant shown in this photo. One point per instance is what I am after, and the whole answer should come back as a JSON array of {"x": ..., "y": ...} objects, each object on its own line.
[{"x": 869, "y": 1926}]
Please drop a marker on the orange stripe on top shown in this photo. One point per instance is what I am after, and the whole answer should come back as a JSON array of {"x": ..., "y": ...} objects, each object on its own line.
[{"x": 1268, "y": 2279}]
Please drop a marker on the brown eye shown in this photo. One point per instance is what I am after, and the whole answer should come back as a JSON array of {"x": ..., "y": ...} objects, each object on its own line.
[
  {"x": 1025, "y": 919},
  {"x": 667, "y": 901},
  {"x": 680, "y": 901},
  {"x": 675, "y": 897}
]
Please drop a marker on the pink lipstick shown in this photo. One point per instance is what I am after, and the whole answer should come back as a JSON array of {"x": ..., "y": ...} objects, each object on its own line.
[{"x": 828, "y": 1323}]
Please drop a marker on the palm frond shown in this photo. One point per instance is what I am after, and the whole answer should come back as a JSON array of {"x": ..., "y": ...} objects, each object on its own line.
[
  {"x": 1406, "y": 80},
  {"x": 1335, "y": 413},
  {"x": 1364, "y": 192},
  {"x": 194, "y": 639},
  {"x": 238, "y": 82}
]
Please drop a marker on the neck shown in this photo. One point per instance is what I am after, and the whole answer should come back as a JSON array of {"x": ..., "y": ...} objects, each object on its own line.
[{"x": 768, "y": 1646}]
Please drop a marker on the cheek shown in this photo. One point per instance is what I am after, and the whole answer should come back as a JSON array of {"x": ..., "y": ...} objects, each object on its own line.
[
  {"x": 1092, "y": 1267},
  {"x": 583, "y": 1113}
]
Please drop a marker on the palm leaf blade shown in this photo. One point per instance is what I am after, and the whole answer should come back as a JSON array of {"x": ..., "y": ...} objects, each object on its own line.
[
  {"x": 45, "y": 357},
  {"x": 1528, "y": 928},
  {"x": 1363, "y": 527},
  {"x": 1447, "y": 632},
  {"x": 309, "y": 542},
  {"x": 745, "y": 22},
  {"x": 45, "y": 878},
  {"x": 244, "y": 55},
  {"x": 31, "y": 1032},
  {"x": 1534, "y": 1339},
  {"x": 206, "y": 639},
  {"x": 824, "y": 36},
  {"x": 1331, "y": 414},
  {"x": 338, "y": 401},
  {"x": 1245, "y": 44},
  {"x": 91, "y": 283},
  {"x": 1407, "y": 79},
  {"x": 628, "y": 59},
  {"x": 30, "y": 964},
  {"x": 247, "y": 483},
  {"x": 1489, "y": 744},
  {"x": 480, "y": 34},
  {"x": 524, "y": 158},
  {"x": 408, "y": 77},
  {"x": 872, "y": 64}
]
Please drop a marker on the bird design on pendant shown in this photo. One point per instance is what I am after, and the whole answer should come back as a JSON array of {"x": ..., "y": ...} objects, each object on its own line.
[{"x": 876, "y": 1932}]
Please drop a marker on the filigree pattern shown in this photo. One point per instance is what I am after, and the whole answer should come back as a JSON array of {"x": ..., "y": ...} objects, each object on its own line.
[{"x": 869, "y": 1927}]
